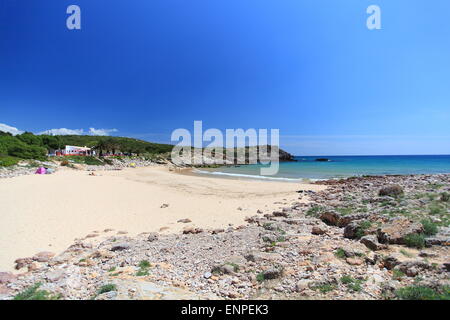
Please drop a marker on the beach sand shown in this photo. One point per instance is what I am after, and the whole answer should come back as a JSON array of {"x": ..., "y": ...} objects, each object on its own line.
[{"x": 48, "y": 212}]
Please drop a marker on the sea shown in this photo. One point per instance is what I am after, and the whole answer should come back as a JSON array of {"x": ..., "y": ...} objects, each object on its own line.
[{"x": 307, "y": 168}]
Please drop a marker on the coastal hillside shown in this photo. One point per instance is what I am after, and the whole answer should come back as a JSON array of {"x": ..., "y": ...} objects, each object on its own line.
[{"x": 36, "y": 147}]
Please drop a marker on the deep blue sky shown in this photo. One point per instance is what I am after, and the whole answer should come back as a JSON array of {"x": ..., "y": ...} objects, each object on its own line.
[{"x": 310, "y": 68}]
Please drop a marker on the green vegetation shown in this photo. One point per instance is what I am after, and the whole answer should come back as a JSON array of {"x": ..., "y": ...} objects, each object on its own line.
[
  {"x": 430, "y": 228},
  {"x": 260, "y": 277},
  {"x": 30, "y": 146},
  {"x": 144, "y": 267},
  {"x": 314, "y": 211},
  {"x": 436, "y": 209},
  {"x": 324, "y": 287},
  {"x": 351, "y": 283},
  {"x": 397, "y": 274},
  {"x": 406, "y": 253},
  {"x": 33, "y": 293},
  {"x": 415, "y": 240},
  {"x": 340, "y": 253},
  {"x": 445, "y": 197},
  {"x": 112, "y": 269},
  {"x": 107, "y": 288},
  {"x": 361, "y": 231},
  {"x": 234, "y": 265},
  {"x": 344, "y": 210},
  {"x": 422, "y": 293},
  {"x": 7, "y": 161}
]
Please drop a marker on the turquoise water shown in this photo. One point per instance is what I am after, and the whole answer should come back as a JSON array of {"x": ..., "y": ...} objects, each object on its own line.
[{"x": 343, "y": 166}]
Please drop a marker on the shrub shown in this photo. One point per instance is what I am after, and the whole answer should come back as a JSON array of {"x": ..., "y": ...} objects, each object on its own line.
[
  {"x": 107, "y": 288},
  {"x": 324, "y": 287},
  {"x": 353, "y": 284},
  {"x": 437, "y": 210},
  {"x": 445, "y": 197},
  {"x": 33, "y": 293},
  {"x": 430, "y": 228},
  {"x": 260, "y": 277},
  {"x": 415, "y": 240},
  {"x": 397, "y": 274},
  {"x": 7, "y": 161},
  {"x": 314, "y": 211},
  {"x": 340, "y": 253},
  {"x": 361, "y": 230},
  {"x": 422, "y": 293},
  {"x": 64, "y": 163},
  {"x": 144, "y": 264},
  {"x": 92, "y": 161}
]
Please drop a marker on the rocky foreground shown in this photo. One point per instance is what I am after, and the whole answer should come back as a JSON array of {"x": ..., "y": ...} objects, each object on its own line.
[{"x": 361, "y": 238}]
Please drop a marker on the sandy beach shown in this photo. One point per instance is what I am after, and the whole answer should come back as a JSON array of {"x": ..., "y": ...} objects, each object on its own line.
[{"x": 47, "y": 213}]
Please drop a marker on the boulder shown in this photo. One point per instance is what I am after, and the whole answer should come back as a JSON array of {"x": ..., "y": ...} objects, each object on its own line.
[
  {"x": 43, "y": 256},
  {"x": 351, "y": 229},
  {"x": 153, "y": 236},
  {"x": 22, "y": 262},
  {"x": 371, "y": 242},
  {"x": 120, "y": 247},
  {"x": 273, "y": 273},
  {"x": 335, "y": 219},
  {"x": 395, "y": 231},
  {"x": 391, "y": 191},
  {"x": 192, "y": 230},
  {"x": 7, "y": 277},
  {"x": 317, "y": 230}
]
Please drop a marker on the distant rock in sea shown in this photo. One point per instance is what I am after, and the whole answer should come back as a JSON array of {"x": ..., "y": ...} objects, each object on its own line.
[{"x": 322, "y": 160}]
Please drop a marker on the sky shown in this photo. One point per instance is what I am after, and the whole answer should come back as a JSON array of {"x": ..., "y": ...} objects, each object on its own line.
[{"x": 311, "y": 69}]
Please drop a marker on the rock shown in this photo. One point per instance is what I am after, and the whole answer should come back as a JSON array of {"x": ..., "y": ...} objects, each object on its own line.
[
  {"x": 153, "y": 236},
  {"x": 22, "y": 262},
  {"x": 302, "y": 285},
  {"x": 186, "y": 220},
  {"x": 354, "y": 261},
  {"x": 446, "y": 266},
  {"x": 280, "y": 214},
  {"x": 56, "y": 275},
  {"x": 412, "y": 268},
  {"x": 44, "y": 256},
  {"x": 101, "y": 254},
  {"x": 7, "y": 277},
  {"x": 335, "y": 219},
  {"x": 437, "y": 240},
  {"x": 207, "y": 275},
  {"x": 390, "y": 262},
  {"x": 269, "y": 237},
  {"x": 192, "y": 230},
  {"x": 259, "y": 211},
  {"x": 216, "y": 231},
  {"x": 372, "y": 243},
  {"x": 395, "y": 231},
  {"x": 164, "y": 205},
  {"x": 4, "y": 291},
  {"x": 392, "y": 191},
  {"x": 120, "y": 247},
  {"x": 351, "y": 229},
  {"x": 272, "y": 273},
  {"x": 224, "y": 269},
  {"x": 317, "y": 230}
]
